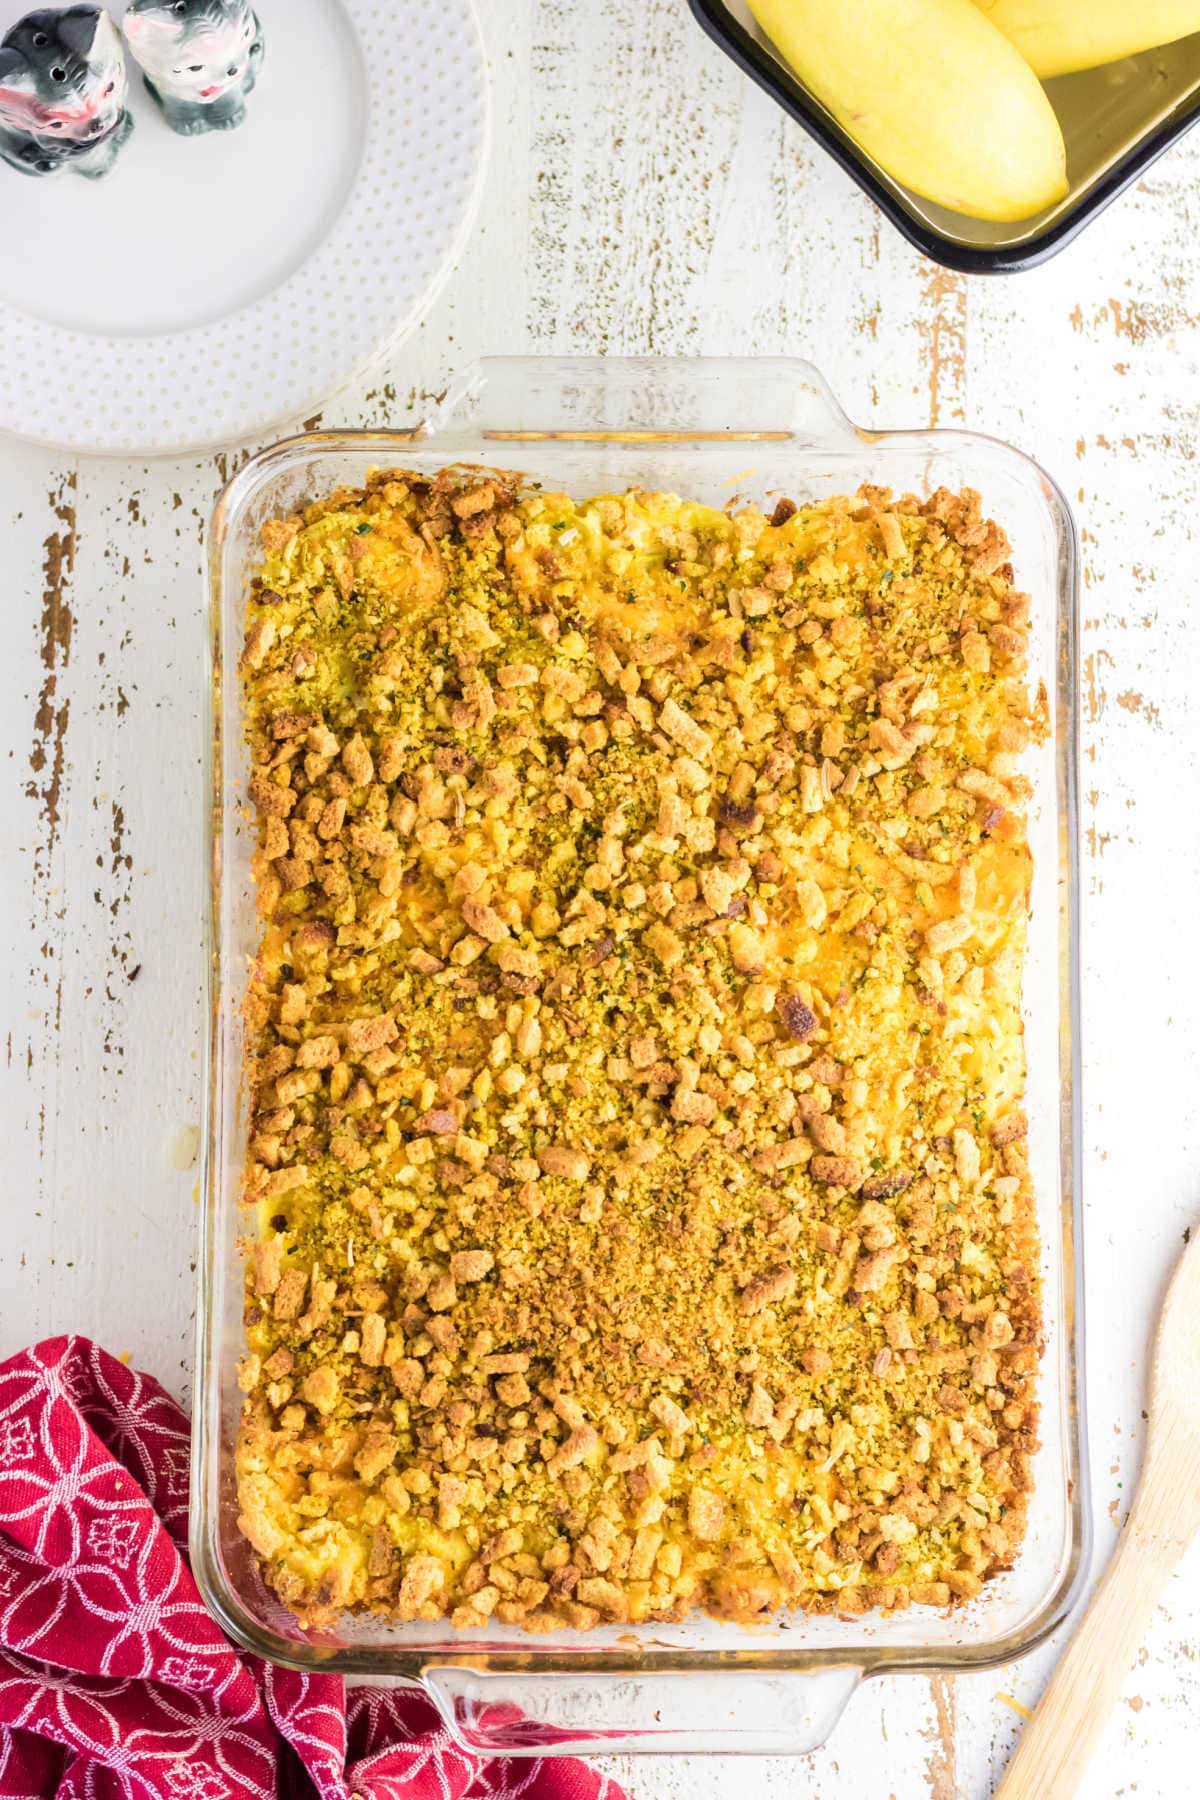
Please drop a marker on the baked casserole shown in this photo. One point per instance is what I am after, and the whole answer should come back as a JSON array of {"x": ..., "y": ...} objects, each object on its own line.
[{"x": 638, "y": 1210}]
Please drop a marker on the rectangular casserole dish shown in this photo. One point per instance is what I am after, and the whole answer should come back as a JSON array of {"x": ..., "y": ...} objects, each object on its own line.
[
  {"x": 1116, "y": 120},
  {"x": 709, "y": 430}
]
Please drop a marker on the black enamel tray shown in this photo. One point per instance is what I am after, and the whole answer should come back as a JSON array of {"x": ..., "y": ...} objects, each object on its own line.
[{"x": 1116, "y": 121}]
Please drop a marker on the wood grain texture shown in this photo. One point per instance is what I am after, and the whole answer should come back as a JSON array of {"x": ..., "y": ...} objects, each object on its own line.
[
  {"x": 642, "y": 197},
  {"x": 1057, "y": 1749},
  {"x": 1056, "y": 1752}
]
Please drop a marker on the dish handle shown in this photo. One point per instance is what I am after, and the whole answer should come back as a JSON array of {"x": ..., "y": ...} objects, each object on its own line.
[
  {"x": 634, "y": 400},
  {"x": 495, "y": 1712}
]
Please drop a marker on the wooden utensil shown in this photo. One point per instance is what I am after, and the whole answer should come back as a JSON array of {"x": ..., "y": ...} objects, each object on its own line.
[{"x": 1057, "y": 1744}]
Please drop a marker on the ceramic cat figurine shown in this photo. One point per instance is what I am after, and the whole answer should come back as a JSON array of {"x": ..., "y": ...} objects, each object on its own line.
[
  {"x": 62, "y": 93},
  {"x": 200, "y": 59}
]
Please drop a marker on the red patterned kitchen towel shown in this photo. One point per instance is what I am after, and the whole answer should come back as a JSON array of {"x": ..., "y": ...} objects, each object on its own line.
[{"x": 114, "y": 1680}]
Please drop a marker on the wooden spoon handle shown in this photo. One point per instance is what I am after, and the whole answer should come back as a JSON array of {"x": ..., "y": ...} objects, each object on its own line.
[{"x": 1054, "y": 1749}]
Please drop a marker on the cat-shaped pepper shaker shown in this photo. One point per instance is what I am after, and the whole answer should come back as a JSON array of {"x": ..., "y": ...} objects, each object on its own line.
[
  {"x": 199, "y": 58},
  {"x": 62, "y": 93}
]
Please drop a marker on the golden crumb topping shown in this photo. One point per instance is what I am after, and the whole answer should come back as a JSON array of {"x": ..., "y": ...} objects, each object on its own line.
[{"x": 639, "y": 1212}]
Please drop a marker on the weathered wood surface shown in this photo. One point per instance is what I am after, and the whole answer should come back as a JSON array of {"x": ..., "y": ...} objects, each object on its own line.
[{"x": 641, "y": 198}]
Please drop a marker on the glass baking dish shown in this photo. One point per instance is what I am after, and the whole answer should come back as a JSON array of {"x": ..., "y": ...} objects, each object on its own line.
[
  {"x": 1116, "y": 120},
  {"x": 712, "y": 430}
]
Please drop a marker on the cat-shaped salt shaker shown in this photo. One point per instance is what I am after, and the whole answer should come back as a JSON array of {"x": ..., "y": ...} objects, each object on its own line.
[
  {"x": 199, "y": 59},
  {"x": 62, "y": 92}
]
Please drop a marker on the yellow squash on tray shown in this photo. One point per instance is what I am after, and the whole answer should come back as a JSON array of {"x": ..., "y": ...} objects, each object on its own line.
[
  {"x": 1058, "y": 36},
  {"x": 935, "y": 93}
]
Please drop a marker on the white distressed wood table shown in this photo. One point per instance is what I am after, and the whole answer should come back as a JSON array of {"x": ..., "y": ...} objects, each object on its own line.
[{"x": 642, "y": 198}]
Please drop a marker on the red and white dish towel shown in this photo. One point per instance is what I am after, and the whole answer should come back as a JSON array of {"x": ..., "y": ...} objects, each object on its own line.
[{"x": 115, "y": 1681}]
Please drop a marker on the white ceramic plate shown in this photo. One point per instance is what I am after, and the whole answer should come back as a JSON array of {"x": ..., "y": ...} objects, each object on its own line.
[{"x": 211, "y": 288}]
